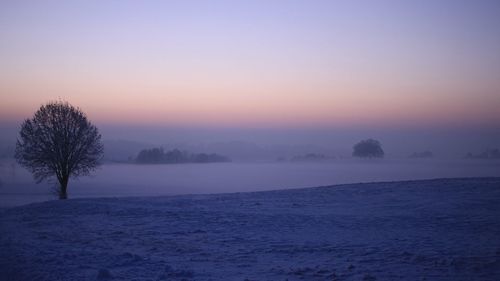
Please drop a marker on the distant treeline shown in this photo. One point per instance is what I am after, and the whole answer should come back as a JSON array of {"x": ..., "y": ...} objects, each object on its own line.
[
  {"x": 309, "y": 157},
  {"x": 493, "y": 153},
  {"x": 159, "y": 156}
]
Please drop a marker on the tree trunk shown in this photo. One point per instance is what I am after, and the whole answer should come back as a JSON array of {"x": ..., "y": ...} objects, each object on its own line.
[{"x": 63, "y": 194}]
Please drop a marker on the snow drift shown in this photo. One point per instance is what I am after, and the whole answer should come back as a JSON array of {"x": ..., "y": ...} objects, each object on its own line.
[{"x": 445, "y": 229}]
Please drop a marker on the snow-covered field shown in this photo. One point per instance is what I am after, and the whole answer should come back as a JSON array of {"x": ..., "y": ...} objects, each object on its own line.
[{"x": 445, "y": 229}]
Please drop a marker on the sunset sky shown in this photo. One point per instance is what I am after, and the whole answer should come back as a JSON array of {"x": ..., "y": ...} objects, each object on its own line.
[{"x": 293, "y": 64}]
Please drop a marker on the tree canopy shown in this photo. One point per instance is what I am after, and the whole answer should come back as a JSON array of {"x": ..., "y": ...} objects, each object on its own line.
[
  {"x": 369, "y": 148},
  {"x": 175, "y": 156},
  {"x": 58, "y": 141}
]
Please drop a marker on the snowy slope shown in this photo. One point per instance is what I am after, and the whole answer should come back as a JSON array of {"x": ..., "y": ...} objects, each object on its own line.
[{"x": 445, "y": 229}]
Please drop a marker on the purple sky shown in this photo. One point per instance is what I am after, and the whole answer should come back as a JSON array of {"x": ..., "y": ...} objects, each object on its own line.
[{"x": 296, "y": 65}]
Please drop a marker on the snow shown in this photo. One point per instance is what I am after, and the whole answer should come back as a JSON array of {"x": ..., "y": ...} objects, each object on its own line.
[{"x": 443, "y": 229}]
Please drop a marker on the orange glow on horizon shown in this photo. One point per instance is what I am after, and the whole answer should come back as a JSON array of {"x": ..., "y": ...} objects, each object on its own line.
[{"x": 321, "y": 68}]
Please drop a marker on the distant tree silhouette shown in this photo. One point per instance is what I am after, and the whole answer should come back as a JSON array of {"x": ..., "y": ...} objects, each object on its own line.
[
  {"x": 175, "y": 156},
  {"x": 369, "y": 148},
  {"x": 491, "y": 153},
  {"x": 309, "y": 157},
  {"x": 58, "y": 141},
  {"x": 151, "y": 156},
  {"x": 208, "y": 158}
]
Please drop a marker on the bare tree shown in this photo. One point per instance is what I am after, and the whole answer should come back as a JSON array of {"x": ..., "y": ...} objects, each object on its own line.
[{"x": 59, "y": 142}]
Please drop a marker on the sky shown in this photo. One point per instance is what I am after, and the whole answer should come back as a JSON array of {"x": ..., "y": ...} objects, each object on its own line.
[{"x": 423, "y": 66}]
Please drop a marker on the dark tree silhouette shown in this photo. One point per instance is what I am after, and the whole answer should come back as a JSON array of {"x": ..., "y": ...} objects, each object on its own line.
[
  {"x": 368, "y": 148},
  {"x": 59, "y": 142},
  {"x": 159, "y": 156}
]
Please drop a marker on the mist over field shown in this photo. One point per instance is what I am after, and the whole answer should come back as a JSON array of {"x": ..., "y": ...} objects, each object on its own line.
[
  {"x": 261, "y": 159},
  {"x": 246, "y": 144},
  {"x": 120, "y": 180}
]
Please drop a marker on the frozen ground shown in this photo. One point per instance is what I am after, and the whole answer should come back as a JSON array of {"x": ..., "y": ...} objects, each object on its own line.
[{"x": 445, "y": 229}]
